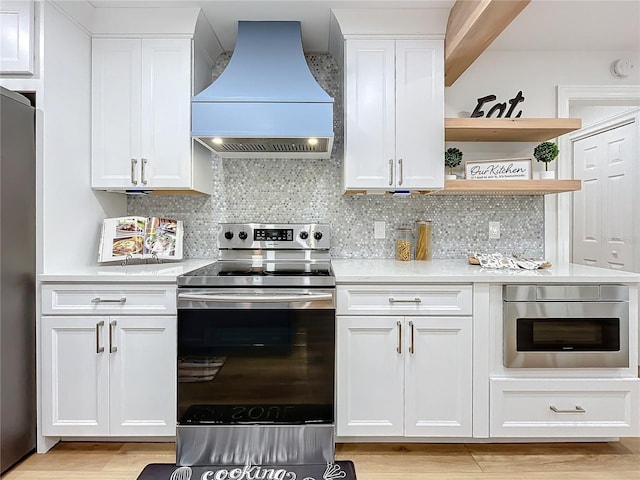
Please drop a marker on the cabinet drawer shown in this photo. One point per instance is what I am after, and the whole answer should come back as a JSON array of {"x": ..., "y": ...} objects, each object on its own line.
[
  {"x": 405, "y": 300},
  {"x": 72, "y": 299},
  {"x": 564, "y": 408}
]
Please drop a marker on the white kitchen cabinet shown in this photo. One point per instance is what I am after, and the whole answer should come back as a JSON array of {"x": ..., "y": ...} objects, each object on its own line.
[
  {"x": 404, "y": 375},
  {"x": 141, "y": 117},
  {"x": 17, "y": 27},
  {"x": 108, "y": 375},
  {"x": 562, "y": 407},
  {"x": 394, "y": 115}
]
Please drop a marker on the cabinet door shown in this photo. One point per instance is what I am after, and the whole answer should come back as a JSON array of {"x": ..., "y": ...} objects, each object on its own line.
[
  {"x": 369, "y": 390},
  {"x": 143, "y": 375},
  {"x": 115, "y": 113},
  {"x": 419, "y": 114},
  {"x": 75, "y": 376},
  {"x": 438, "y": 377},
  {"x": 17, "y": 30},
  {"x": 369, "y": 157},
  {"x": 166, "y": 113}
]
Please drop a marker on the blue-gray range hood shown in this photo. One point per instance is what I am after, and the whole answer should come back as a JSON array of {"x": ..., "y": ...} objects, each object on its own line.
[{"x": 266, "y": 103}]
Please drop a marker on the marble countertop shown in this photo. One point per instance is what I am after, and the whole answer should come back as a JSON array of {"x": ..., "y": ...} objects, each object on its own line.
[
  {"x": 151, "y": 272},
  {"x": 459, "y": 270},
  {"x": 362, "y": 271}
]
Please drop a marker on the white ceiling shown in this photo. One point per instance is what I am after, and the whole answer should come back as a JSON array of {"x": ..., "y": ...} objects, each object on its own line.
[{"x": 543, "y": 25}]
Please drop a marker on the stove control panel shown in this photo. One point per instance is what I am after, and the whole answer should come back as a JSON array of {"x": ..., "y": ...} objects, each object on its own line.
[{"x": 306, "y": 236}]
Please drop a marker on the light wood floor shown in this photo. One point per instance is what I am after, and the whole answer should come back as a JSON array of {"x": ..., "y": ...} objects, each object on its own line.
[{"x": 536, "y": 461}]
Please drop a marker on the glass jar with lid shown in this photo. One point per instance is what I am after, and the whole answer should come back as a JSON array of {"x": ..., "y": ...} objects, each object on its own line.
[
  {"x": 403, "y": 244},
  {"x": 423, "y": 241}
]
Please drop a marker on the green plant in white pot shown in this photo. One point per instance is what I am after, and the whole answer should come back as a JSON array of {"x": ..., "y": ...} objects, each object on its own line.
[
  {"x": 452, "y": 158},
  {"x": 546, "y": 152}
]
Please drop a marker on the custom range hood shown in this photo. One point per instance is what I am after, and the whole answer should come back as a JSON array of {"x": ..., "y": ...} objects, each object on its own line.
[{"x": 266, "y": 103}]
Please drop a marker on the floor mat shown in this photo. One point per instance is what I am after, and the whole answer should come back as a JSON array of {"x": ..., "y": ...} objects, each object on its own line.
[{"x": 340, "y": 470}]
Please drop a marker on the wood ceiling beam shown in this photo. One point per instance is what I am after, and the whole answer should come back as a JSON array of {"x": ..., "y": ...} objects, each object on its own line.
[{"x": 472, "y": 26}]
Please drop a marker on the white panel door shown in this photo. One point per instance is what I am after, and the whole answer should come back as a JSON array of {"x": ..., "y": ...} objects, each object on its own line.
[
  {"x": 75, "y": 376},
  {"x": 369, "y": 156},
  {"x": 369, "y": 376},
  {"x": 143, "y": 375},
  {"x": 620, "y": 209},
  {"x": 166, "y": 113},
  {"x": 438, "y": 368},
  {"x": 587, "y": 207},
  {"x": 419, "y": 114},
  {"x": 115, "y": 113},
  {"x": 605, "y": 210}
]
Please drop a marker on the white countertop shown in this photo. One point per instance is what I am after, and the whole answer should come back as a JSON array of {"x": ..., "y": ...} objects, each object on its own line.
[
  {"x": 151, "y": 272},
  {"x": 460, "y": 271}
]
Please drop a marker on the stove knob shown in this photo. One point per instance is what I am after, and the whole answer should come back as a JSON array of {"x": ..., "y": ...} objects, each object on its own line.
[
  {"x": 242, "y": 235},
  {"x": 317, "y": 235},
  {"x": 304, "y": 235},
  {"x": 228, "y": 235}
]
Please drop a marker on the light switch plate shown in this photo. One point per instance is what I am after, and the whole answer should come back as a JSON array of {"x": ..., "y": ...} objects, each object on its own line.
[
  {"x": 379, "y": 230},
  {"x": 494, "y": 230}
]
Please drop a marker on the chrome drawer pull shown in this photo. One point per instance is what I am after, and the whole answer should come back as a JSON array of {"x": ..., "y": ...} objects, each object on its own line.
[
  {"x": 403, "y": 300},
  {"x": 578, "y": 409},
  {"x": 401, "y": 173},
  {"x": 108, "y": 300},
  {"x": 144, "y": 171},
  {"x": 99, "y": 349}
]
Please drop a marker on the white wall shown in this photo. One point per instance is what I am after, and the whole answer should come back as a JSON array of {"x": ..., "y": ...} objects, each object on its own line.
[
  {"x": 537, "y": 74},
  {"x": 71, "y": 212}
]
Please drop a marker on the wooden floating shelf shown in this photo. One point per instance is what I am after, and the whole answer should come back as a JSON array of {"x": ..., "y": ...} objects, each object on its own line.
[
  {"x": 508, "y": 129},
  {"x": 508, "y": 187}
]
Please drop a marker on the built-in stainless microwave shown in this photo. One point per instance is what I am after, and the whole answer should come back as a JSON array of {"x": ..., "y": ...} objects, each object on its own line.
[{"x": 566, "y": 326}]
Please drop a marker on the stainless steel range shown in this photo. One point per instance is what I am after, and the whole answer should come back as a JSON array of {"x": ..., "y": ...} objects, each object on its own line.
[{"x": 256, "y": 349}]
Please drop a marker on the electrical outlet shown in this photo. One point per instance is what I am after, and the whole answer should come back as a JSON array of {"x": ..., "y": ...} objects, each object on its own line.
[
  {"x": 494, "y": 230},
  {"x": 379, "y": 230}
]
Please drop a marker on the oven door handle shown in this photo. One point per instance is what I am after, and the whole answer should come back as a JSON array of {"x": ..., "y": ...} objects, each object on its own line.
[{"x": 254, "y": 298}]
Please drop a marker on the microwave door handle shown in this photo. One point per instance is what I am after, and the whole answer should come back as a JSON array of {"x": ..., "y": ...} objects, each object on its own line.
[{"x": 254, "y": 298}]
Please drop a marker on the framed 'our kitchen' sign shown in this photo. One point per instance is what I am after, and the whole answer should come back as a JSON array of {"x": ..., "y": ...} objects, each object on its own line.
[{"x": 508, "y": 168}]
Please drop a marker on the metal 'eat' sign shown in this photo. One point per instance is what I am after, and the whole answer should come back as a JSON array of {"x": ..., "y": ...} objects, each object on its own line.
[{"x": 499, "y": 107}]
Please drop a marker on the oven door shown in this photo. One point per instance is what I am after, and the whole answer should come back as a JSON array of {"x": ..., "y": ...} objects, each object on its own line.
[
  {"x": 566, "y": 334},
  {"x": 255, "y": 356}
]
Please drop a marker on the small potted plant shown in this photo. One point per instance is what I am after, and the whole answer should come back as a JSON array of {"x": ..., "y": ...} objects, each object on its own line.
[
  {"x": 452, "y": 158},
  {"x": 546, "y": 152}
]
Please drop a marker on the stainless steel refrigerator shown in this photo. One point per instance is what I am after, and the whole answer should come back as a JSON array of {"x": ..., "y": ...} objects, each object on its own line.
[{"x": 17, "y": 281}]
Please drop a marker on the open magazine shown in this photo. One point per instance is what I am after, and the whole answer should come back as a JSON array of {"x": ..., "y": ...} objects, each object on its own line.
[{"x": 140, "y": 237}]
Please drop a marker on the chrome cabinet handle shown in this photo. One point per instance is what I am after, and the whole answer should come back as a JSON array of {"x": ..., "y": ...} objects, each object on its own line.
[
  {"x": 108, "y": 300},
  {"x": 399, "y": 349},
  {"x": 391, "y": 171},
  {"x": 405, "y": 300},
  {"x": 99, "y": 349},
  {"x": 134, "y": 177},
  {"x": 412, "y": 348},
  {"x": 401, "y": 176},
  {"x": 143, "y": 170},
  {"x": 112, "y": 348},
  {"x": 614, "y": 254},
  {"x": 578, "y": 409}
]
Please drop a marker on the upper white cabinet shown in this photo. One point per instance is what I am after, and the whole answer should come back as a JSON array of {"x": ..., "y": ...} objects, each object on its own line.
[
  {"x": 17, "y": 41},
  {"x": 141, "y": 117},
  {"x": 394, "y": 115}
]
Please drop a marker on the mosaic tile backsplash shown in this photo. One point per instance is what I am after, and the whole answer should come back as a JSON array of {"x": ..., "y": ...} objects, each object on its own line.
[{"x": 302, "y": 191}]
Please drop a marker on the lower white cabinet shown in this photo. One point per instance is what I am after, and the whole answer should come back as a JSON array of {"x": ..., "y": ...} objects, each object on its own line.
[
  {"x": 404, "y": 376},
  {"x": 108, "y": 374},
  {"x": 559, "y": 407}
]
